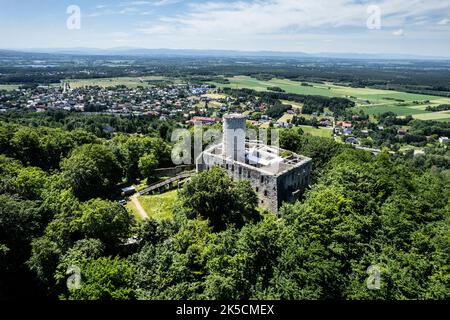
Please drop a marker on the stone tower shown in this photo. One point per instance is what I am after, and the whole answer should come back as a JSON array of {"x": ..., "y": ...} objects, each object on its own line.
[{"x": 234, "y": 130}]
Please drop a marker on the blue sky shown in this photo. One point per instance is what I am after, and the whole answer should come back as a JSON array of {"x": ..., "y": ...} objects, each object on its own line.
[{"x": 407, "y": 26}]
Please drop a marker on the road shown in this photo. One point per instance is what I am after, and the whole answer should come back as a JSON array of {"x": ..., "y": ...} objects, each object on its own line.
[{"x": 137, "y": 204}]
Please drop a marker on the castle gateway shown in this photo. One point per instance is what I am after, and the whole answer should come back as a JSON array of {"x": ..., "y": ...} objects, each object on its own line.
[{"x": 275, "y": 178}]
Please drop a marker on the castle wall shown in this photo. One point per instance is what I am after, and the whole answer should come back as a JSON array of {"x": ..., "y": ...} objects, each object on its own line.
[
  {"x": 292, "y": 184},
  {"x": 272, "y": 190}
]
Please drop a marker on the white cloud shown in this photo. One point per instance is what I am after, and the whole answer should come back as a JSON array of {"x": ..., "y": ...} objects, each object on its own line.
[
  {"x": 291, "y": 25},
  {"x": 399, "y": 33},
  {"x": 119, "y": 34},
  {"x": 129, "y": 8},
  {"x": 158, "y": 30},
  {"x": 105, "y": 12},
  {"x": 165, "y": 2},
  {"x": 262, "y": 17},
  {"x": 155, "y": 3}
]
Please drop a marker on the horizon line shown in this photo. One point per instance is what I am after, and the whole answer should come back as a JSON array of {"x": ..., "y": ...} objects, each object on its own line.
[{"x": 312, "y": 54}]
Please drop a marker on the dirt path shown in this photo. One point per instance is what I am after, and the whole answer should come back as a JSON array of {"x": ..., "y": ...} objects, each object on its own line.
[{"x": 139, "y": 208}]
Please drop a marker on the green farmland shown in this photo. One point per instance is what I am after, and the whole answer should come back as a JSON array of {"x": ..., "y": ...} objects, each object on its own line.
[
  {"x": 130, "y": 82},
  {"x": 371, "y": 101},
  {"x": 8, "y": 87}
]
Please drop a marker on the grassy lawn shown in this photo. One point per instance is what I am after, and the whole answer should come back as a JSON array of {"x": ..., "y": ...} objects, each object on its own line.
[
  {"x": 159, "y": 207},
  {"x": 320, "y": 132},
  {"x": 286, "y": 118},
  {"x": 214, "y": 96},
  {"x": 371, "y": 101},
  {"x": 294, "y": 105},
  {"x": 214, "y": 104}
]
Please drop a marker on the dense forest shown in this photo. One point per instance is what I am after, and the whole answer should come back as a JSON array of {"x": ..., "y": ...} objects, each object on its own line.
[
  {"x": 58, "y": 214},
  {"x": 103, "y": 126}
]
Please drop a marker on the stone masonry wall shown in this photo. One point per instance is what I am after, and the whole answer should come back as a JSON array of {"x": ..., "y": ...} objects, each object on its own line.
[{"x": 271, "y": 190}]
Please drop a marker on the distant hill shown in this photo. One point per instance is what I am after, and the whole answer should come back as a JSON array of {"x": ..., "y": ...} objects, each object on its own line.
[
  {"x": 165, "y": 52},
  {"x": 125, "y": 51}
]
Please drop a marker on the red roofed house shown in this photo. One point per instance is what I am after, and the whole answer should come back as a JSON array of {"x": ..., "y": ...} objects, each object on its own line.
[
  {"x": 344, "y": 124},
  {"x": 206, "y": 120}
]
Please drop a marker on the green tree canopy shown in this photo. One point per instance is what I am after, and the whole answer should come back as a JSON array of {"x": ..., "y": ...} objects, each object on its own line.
[
  {"x": 92, "y": 170},
  {"x": 147, "y": 165},
  {"x": 107, "y": 221},
  {"x": 104, "y": 279},
  {"x": 214, "y": 196}
]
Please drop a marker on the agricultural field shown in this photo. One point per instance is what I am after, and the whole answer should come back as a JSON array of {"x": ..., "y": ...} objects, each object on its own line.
[
  {"x": 289, "y": 86},
  {"x": 439, "y": 116},
  {"x": 400, "y": 110},
  {"x": 131, "y": 82},
  {"x": 8, "y": 87},
  {"x": 371, "y": 101},
  {"x": 158, "y": 207}
]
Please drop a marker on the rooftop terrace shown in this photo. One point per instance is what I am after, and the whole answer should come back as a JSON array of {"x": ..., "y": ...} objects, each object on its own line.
[{"x": 264, "y": 158}]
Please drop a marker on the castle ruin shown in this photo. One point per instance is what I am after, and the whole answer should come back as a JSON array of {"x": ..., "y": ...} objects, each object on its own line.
[{"x": 276, "y": 179}]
